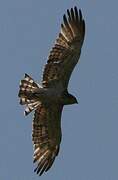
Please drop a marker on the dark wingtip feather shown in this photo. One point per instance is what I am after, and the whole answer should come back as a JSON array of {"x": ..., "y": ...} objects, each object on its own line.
[
  {"x": 62, "y": 26},
  {"x": 75, "y": 7},
  {"x": 76, "y": 13},
  {"x": 64, "y": 19},
  {"x": 72, "y": 14},
  {"x": 80, "y": 14},
  {"x": 49, "y": 165},
  {"x": 68, "y": 12},
  {"x": 35, "y": 169},
  {"x": 43, "y": 169}
]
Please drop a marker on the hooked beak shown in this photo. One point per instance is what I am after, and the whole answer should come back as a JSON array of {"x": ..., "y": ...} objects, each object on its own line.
[{"x": 77, "y": 102}]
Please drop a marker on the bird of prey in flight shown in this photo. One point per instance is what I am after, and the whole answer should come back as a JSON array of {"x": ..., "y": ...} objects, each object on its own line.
[{"x": 49, "y": 98}]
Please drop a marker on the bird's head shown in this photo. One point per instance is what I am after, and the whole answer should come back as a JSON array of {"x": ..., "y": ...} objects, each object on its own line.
[
  {"x": 72, "y": 99},
  {"x": 69, "y": 99}
]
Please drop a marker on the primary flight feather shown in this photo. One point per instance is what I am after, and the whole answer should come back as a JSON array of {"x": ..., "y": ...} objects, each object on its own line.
[{"x": 49, "y": 98}]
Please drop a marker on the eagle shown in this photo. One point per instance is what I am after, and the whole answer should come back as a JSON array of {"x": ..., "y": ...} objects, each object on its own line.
[{"x": 48, "y": 98}]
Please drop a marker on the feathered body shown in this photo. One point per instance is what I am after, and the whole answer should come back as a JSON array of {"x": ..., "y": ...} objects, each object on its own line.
[{"x": 49, "y": 98}]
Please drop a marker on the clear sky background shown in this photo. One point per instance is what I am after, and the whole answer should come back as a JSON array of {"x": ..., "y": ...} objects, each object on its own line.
[{"x": 89, "y": 148}]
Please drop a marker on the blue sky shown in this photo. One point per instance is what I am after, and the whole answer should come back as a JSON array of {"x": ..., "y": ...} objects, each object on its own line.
[{"x": 89, "y": 148}]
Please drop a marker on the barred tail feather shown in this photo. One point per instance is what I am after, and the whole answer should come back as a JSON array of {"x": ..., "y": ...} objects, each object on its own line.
[
  {"x": 27, "y": 88},
  {"x": 30, "y": 107}
]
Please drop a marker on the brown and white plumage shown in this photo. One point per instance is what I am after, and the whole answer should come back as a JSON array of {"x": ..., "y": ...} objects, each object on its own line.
[
  {"x": 49, "y": 98},
  {"x": 46, "y": 135},
  {"x": 66, "y": 52}
]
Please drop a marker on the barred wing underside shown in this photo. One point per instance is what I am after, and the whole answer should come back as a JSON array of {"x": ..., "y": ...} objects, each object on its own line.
[
  {"x": 46, "y": 136},
  {"x": 66, "y": 52}
]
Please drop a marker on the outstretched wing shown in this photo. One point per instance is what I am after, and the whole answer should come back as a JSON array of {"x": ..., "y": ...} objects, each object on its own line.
[
  {"x": 46, "y": 136},
  {"x": 66, "y": 52}
]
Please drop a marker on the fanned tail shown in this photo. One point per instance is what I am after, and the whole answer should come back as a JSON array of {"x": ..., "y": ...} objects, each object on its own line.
[{"x": 26, "y": 94}]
